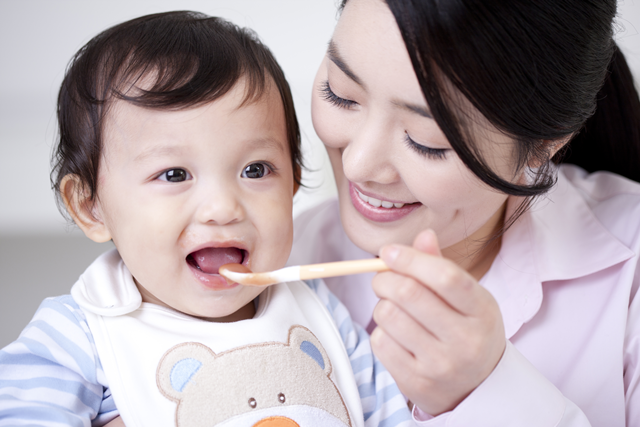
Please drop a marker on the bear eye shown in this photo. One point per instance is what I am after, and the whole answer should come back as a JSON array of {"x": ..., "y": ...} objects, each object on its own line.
[
  {"x": 252, "y": 402},
  {"x": 281, "y": 398}
]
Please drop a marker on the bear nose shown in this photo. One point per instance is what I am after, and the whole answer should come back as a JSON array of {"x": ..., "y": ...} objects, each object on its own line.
[{"x": 276, "y": 422}]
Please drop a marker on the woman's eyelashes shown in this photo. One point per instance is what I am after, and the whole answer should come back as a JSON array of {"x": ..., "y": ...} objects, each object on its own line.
[
  {"x": 334, "y": 99},
  {"x": 257, "y": 170},
  {"x": 423, "y": 150},
  {"x": 175, "y": 175}
]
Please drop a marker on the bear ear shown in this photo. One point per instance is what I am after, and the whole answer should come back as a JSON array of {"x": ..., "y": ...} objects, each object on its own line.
[
  {"x": 179, "y": 365},
  {"x": 304, "y": 340}
]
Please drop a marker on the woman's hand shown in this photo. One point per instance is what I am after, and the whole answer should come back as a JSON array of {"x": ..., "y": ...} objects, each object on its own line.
[
  {"x": 440, "y": 333},
  {"x": 116, "y": 422}
]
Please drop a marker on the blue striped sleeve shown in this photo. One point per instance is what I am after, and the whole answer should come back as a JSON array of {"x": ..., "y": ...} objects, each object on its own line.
[
  {"x": 51, "y": 375},
  {"x": 382, "y": 402}
]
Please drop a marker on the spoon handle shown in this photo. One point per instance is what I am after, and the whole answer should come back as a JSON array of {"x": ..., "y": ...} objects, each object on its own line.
[{"x": 341, "y": 268}]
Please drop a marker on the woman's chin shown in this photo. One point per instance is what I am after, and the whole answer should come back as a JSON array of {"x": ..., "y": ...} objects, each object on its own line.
[{"x": 370, "y": 236}]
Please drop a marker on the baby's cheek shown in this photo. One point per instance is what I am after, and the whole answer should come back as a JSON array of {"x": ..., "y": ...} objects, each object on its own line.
[{"x": 280, "y": 237}]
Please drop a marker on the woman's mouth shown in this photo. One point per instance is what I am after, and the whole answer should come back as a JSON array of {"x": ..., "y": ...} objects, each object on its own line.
[
  {"x": 379, "y": 210},
  {"x": 205, "y": 263}
]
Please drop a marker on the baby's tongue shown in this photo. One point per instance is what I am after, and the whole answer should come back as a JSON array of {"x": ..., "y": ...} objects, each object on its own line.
[{"x": 210, "y": 259}]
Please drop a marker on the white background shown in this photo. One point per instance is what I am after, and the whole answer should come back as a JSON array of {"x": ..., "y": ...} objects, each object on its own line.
[
  {"x": 40, "y": 255},
  {"x": 38, "y": 37}
]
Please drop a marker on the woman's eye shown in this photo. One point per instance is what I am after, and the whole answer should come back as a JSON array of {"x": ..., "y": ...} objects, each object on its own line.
[
  {"x": 174, "y": 175},
  {"x": 256, "y": 170},
  {"x": 432, "y": 153},
  {"x": 334, "y": 99}
]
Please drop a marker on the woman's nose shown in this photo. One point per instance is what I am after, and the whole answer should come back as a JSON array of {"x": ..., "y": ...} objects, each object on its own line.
[
  {"x": 220, "y": 206},
  {"x": 368, "y": 156}
]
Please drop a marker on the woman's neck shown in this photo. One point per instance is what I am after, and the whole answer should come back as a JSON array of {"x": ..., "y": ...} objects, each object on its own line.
[{"x": 477, "y": 252}]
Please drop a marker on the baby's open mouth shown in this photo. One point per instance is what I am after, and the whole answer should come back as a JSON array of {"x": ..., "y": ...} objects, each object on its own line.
[{"x": 209, "y": 260}]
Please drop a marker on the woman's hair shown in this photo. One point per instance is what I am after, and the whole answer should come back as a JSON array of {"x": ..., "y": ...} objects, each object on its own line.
[
  {"x": 182, "y": 59},
  {"x": 536, "y": 70},
  {"x": 610, "y": 140}
]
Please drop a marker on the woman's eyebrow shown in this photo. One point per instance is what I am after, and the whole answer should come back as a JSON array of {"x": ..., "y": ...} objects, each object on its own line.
[
  {"x": 414, "y": 108},
  {"x": 334, "y": 56}
]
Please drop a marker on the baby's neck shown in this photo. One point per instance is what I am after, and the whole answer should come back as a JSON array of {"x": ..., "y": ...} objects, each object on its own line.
[{"x": 245, "y": 312}]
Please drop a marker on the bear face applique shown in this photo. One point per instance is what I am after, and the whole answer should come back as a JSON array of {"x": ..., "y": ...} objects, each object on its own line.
[{"x": 261, "y": 385}]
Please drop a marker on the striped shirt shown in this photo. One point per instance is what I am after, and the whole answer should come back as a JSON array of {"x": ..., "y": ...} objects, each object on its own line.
[{"x": 52, "y": 376}]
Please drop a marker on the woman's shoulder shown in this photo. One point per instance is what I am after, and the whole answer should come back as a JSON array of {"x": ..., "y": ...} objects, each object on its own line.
[
  {"x": 613, "y": 200},
  {"x": 316, "y": 218},
  {"x": 602, "y": 185},
  {"x": 318, "y": 235}
]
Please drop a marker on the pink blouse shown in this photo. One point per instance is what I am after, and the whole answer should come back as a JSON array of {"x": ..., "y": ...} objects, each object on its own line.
[{"x": 565, "y": 279}]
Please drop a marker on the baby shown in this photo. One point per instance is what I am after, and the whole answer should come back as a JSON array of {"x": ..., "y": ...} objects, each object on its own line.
[{"x": 179, "y": 142}]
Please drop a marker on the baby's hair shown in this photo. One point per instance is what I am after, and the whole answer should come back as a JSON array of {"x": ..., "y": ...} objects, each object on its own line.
[{"x": 185, "y": 59}]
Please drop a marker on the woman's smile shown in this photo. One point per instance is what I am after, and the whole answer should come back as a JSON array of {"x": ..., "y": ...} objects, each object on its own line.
[
  {"x": 395, "y": 171},
  {"x": 378, "y": 209}
]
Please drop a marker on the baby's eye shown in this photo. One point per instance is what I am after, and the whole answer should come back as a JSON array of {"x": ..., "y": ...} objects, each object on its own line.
[
  {"x": 174, "y": 175},
  {"x": 256, "y": 170}
]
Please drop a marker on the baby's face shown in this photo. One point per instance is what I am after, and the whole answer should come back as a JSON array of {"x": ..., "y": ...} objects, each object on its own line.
[{"x": 183, "y": 192}]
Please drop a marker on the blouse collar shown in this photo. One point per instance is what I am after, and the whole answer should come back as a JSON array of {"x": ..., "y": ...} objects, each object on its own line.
[{"x": 558, "y": 238}]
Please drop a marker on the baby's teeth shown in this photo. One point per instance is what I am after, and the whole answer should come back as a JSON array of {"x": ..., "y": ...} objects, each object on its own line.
[
  {"x": 398, "y": 205},
  {"x": 375, "y": 202},
  {"x": 387, "y": 205}
]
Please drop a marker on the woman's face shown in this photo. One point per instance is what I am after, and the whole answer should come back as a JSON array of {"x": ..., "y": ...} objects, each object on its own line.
[{"x": 395, "y": 171}]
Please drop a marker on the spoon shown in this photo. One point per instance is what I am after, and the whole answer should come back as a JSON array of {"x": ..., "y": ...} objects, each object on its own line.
[{"x": 240, "y": 274}]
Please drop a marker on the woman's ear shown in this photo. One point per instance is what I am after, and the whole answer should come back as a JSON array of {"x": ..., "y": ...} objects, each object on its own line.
[
  {"x": 550, "y": 147},
  {"x": 81, "y": 209}
]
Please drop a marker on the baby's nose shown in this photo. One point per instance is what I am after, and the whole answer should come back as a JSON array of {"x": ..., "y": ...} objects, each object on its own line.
[{"x": 220, "y": 207}]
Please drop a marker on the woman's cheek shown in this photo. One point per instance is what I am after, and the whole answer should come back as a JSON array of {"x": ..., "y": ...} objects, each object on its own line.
[{"x": 329, "y": 123}]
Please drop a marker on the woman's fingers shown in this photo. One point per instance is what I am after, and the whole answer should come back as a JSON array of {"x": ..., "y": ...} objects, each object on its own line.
[
  {"x": 426, "y": 370},
  {"x": 409, "y": 332},
  {"x": 116, "y": 422},
  {"x": 450, "y": 282},
  {"x": 405, "y": 302},
  {"x": 427, "y": 242},
  {"x": 440, "y": 333}
]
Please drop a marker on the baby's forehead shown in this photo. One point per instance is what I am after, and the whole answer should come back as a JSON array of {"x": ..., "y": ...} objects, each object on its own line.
[{"x": 146, "y": 132}]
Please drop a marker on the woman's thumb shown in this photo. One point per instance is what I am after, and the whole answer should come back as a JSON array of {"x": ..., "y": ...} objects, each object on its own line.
[{"x": 427, "y": 242}]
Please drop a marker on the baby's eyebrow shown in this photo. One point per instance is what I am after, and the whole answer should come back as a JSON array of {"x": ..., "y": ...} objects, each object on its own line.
[
  {"x": 161, "y": 151},
  {"x": 267, "y": 142}
]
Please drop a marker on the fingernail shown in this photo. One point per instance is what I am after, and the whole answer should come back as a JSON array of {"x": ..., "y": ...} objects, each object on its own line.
[{"x": 390, "y": 253}]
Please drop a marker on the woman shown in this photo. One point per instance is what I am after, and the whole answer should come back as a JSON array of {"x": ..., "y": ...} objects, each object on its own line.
[{"x": 511, "y": 299}]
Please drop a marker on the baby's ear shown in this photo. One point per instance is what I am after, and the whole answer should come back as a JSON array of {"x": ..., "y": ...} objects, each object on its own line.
[{"x": 82, "y": 210}]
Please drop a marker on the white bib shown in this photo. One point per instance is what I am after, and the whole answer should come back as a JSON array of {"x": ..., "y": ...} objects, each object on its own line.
[{"x": 285, "y": 367}]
